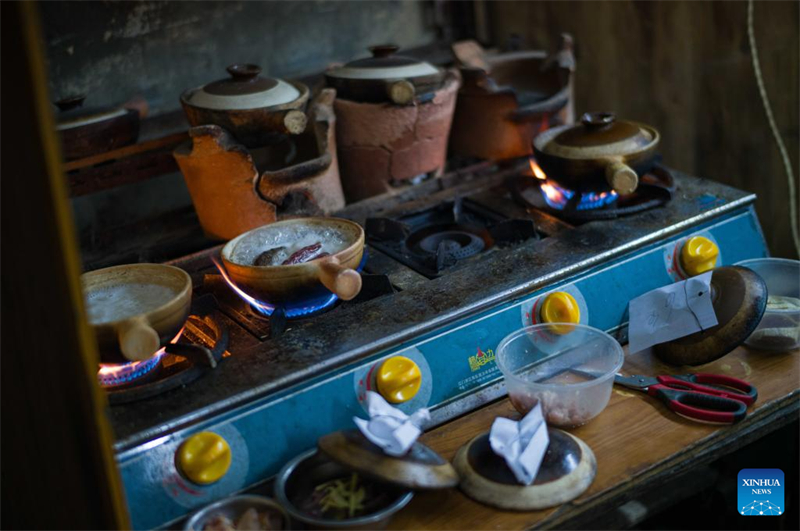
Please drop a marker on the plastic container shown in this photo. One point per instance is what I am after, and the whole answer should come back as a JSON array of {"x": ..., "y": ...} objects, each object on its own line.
[
  {"x": 779, "y": 329},
  {"x": 570, "y": 373}
]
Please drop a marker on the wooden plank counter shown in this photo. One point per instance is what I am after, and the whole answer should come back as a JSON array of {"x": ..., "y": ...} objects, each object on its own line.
[{"x": 638, "y": 442}]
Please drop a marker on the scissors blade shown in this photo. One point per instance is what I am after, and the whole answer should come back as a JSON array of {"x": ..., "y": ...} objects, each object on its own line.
[{"x": 635, "y": 381}]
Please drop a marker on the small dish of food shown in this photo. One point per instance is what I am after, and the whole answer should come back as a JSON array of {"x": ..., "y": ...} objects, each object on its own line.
[
  {"x": 239, "y": 513},
  {"x": 323, "y": 494},
  {"x": 779, "y": 329}
]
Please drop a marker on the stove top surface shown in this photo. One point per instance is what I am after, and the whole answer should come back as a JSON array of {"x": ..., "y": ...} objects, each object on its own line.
[{"x": 472, "y": 261}]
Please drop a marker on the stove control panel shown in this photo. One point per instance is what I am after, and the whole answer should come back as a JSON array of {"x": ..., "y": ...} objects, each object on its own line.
[
  {"x": 564, "y": 305},
  {"x": 692, "y": 255},
  {"x": 398, "y": 379},
  {"x": 698, "y": 255},
  {"x": 204, "y": 458}
]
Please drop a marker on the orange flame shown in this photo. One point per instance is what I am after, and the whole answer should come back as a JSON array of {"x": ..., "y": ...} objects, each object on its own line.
[
  {"x": 255, "y": 302},
  {"x": 111, "y": 369},
  {"x": 537, "y": 171},
  {"x": 553, "y": 193}
]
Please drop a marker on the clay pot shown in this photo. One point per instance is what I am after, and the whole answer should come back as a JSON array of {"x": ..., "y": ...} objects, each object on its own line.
[
  {"x": 599, "y": 154},
  {"x": 305, "y": 281},
  {"x": 385, "y": 77},
  {"x": 87, "y": 131},
  {"x": 164, "y": 309},
  {"x": 257, "y": 111}
]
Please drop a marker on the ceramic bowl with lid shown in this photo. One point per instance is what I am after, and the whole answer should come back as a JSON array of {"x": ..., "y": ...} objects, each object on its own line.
[
  {"x": 779, "y": 328},
  {"x": 600, "y": 153},
  {"x": 257, "y": 110},
  {"x": 385, "y": 77}
]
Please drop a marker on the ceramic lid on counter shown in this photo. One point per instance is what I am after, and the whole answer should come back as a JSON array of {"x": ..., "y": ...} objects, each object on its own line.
[
  {"x": 568, "y": 469},
  {"x": 73, "y": 114},
  {"x": 384, "y": 64},
  {"x": 245, "y": 89},
  {"x": 420, "y": 468},
  {"x": 599, "y": 134}
]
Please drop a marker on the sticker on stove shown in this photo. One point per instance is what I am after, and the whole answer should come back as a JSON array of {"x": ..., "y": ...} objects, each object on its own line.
[
  {"x": 364, "y": 380},
  {"x": 531, "y": 311},
  {"x": 191, "y": 495},
  {"x": 480, "y": 358},
  {"x": 672, "y": 256}
]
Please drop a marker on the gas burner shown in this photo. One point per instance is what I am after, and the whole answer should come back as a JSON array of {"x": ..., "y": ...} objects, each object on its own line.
[
  {"x": 655, "y": 189},
  {"x": 123, "y": 374},
  {"x": 435, "y": 239},
  {"x": 203, "y": 342},
  {"x": 295, "y": 310}
]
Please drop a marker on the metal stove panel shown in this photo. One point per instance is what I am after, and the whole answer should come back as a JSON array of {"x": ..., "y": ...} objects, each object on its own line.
[{"x": 460, "y": 354}]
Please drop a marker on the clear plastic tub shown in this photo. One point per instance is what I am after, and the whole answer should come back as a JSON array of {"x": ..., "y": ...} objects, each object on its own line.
[
  {"x": 571, "y": 373},
  {"x": 779, "y": 329}
]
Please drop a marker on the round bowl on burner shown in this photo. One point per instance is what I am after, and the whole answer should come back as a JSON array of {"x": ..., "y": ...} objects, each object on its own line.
[
  {"x": 599, "y": 154},
  {"x": 278, "y": 284},
  {"x": 135, "y": 309}
]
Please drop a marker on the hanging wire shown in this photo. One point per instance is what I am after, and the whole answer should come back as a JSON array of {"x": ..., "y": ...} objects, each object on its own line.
[{"x": 793, "y": 220}]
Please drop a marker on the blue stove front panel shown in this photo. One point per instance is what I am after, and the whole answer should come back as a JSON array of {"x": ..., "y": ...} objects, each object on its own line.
[{"x": 456, "y": 361}]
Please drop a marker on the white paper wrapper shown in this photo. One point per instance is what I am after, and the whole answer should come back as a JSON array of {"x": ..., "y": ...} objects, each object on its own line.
[
  {"x": 388, "y": 427},
  {"x": 522, "y": 444}
]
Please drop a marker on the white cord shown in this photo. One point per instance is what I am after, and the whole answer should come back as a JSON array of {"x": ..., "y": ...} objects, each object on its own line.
[{"x": 768, "y": 110}]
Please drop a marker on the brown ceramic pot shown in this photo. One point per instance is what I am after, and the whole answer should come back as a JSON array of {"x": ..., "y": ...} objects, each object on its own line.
[
  {"x": 290, "y": 283},
  {"x": 385, "y": 77},
  {"x": 138, "y": 336},
  {"x": 257, "y": 111},
  {"x": 87, "y": 131},
  {"x": 598, "y": 154}
]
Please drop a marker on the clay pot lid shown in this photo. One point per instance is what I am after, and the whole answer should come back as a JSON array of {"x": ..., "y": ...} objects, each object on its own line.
[
  {"x": 72, "y": 112},
  {"x": 245, "y": 89},
  {"x": 740, "y": 299},
  {"x": 420, "y": 468},
  {"x": 598, "y": 134},
  {"x": 568, "y": 468},
  {"x": 384, "y": 64}
]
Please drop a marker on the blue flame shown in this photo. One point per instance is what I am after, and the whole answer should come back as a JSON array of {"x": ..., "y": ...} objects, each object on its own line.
[{"x": 557, "y": 197}]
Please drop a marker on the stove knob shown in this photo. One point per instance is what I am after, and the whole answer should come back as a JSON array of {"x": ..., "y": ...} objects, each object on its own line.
[
  {"x": 698, "y": 255},
  {"x": 398, "y": 379},
  {"x": 204, "y": 458},
  {"x": 560, "y": 307}
]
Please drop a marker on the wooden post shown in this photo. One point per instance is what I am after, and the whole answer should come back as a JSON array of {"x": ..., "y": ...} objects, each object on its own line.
[{"x": 58, "y": 469}]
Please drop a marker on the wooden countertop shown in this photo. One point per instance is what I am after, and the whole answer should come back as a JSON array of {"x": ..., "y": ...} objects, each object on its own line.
[{"x": 637, "y": 441}]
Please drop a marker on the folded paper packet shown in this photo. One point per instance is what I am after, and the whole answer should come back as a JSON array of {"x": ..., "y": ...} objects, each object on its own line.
[
  {"x": 522, "y": 444},
  {"x": 388, "y": 427}
]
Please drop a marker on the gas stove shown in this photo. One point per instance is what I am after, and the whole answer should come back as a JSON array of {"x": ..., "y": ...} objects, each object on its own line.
[{"x": 453, "y": 265}]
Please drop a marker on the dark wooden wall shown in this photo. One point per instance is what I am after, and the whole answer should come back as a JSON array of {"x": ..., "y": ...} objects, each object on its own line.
[{"x": 685, "y": 68}]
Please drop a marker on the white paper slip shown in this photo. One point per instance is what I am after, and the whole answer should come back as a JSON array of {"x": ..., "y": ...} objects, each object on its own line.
[
  {"x": 390, "y": 428},
  {"x": 671, "y": 312},
  {"x": 522, "y": 444}
]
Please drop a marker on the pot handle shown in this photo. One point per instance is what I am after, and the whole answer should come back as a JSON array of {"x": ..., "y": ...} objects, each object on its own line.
[
  {"x": 621, "y": 177},
  {"x": 401, "y": 92},
  {"x": 137, "y": 339},
  {"x": 343, "y": 281}
]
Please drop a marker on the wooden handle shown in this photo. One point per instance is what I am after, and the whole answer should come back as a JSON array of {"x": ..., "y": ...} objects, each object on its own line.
[
  {"x": 621, "y": 177},
  {"x": 294, "y": 122},
  {"x": 401, "y": 92},
  {"x": 343, "y": 281},
  {"x": 137, "y": 339}
]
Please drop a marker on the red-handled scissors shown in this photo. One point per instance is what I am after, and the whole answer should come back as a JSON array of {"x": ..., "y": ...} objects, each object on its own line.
[{"x": 706, "y": 397}]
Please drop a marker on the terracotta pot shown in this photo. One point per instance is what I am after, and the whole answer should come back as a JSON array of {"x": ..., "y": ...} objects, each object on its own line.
[
  {"x": 599, "y": 154},
  {"x": 257, "y": 111},
  {"x": 385, "y": 77},
  {"x": 139, "y": 335},
  {"x": 290, "y": 283}
]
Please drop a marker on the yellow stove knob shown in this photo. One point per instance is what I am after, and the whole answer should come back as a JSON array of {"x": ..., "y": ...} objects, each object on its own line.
[
  {"x": 560, "y": 307},
  {"x": 698, "y": 255},
  {"x": 398, "y": 379},
  {"x": 204, "y": 458}
]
